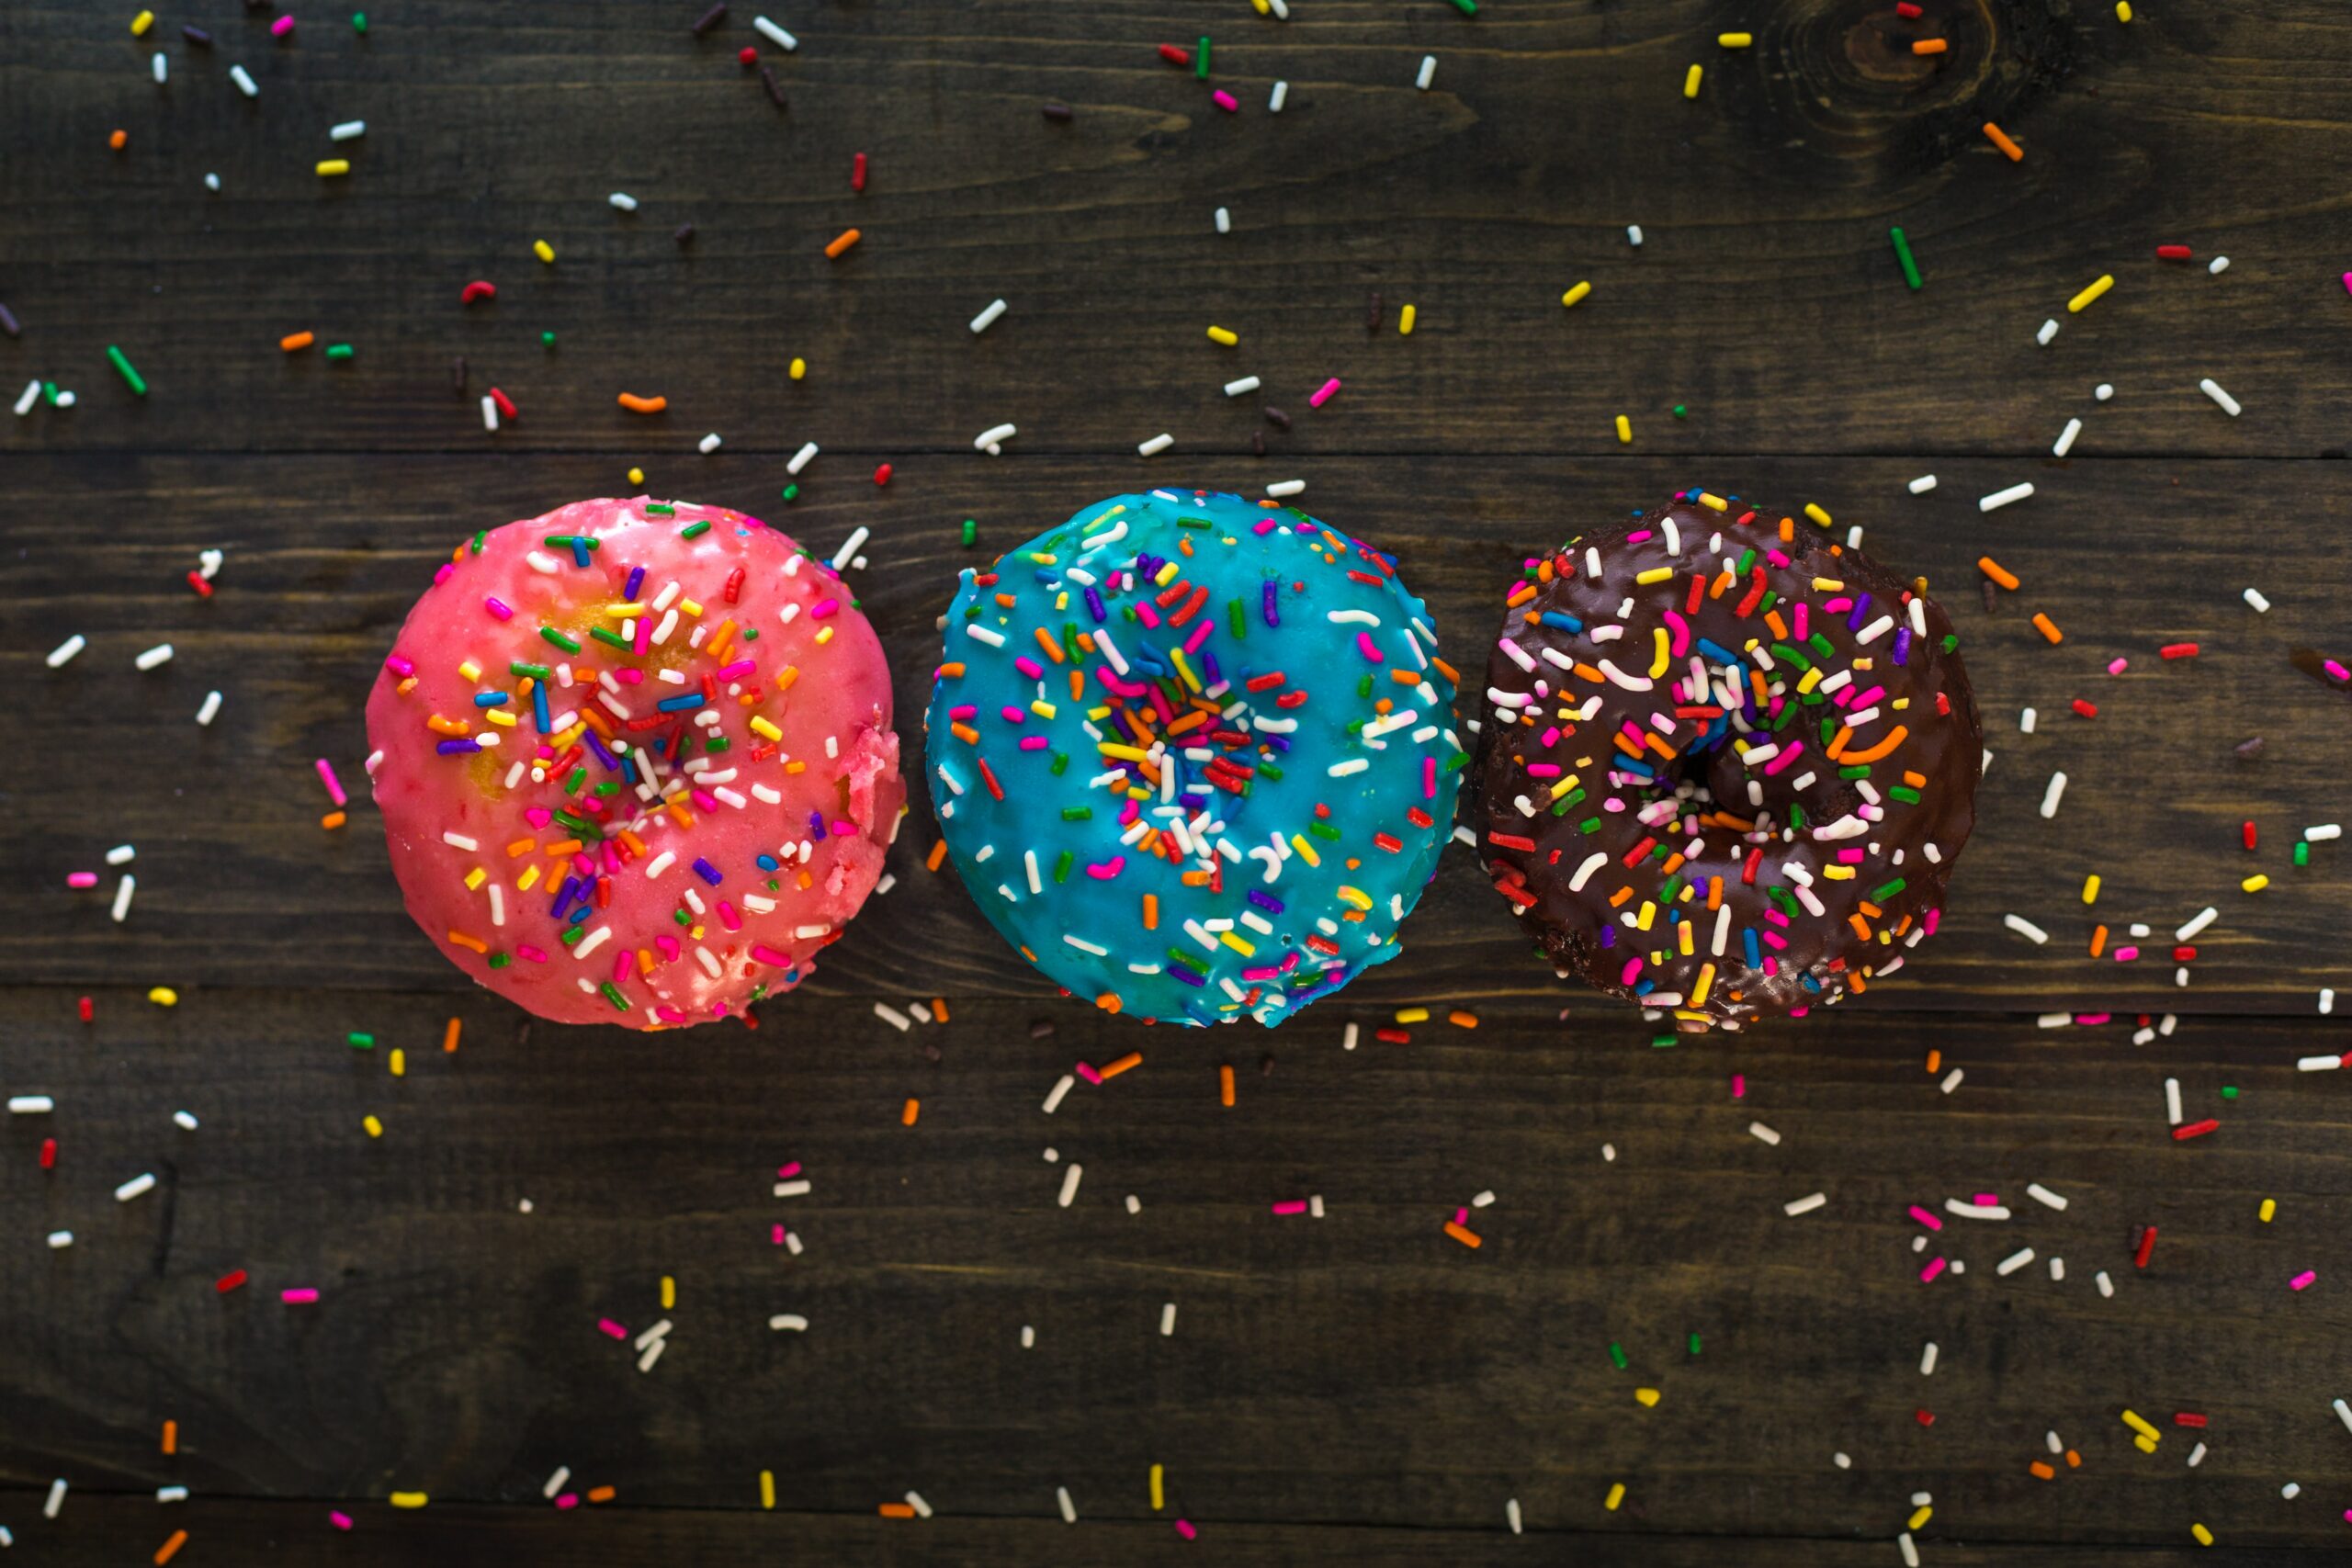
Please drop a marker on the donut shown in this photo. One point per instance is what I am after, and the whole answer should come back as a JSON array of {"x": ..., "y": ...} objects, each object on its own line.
[
  {"x": 1727, "y": 764},
  {"x": 1193, "y": 755},
  {"x": 635, "y": 762}
]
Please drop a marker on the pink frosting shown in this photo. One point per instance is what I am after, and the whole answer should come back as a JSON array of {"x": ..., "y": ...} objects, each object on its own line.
[{"x": 822, "y": 798}]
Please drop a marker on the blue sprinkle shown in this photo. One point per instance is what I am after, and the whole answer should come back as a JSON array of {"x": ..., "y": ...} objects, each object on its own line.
[
  {"x": 580, "y": 551},
  {"x": 491, "y": 699},
  {"x": 681, "y": 705},
  {"x": 707, "y": 870},
  {"x": 1747, "y": 944},
  {"x": 769, "y": 863},
  {"x": 539, "y": 706},
  {"x": 1560, "y": 619},
  {"x": 1717, "y": 652}
]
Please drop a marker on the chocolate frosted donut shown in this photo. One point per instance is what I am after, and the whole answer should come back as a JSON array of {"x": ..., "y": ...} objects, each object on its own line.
[{"x": 1727, "y": 763}]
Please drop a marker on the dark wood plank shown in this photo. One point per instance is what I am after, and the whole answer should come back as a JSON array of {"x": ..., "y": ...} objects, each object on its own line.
[
  {"x": 1361, "y": 1367},
  {"x": 1766, "y": 297},
  {"x": 325, "y": 555},
  {"x": 113, "y": 1530}
]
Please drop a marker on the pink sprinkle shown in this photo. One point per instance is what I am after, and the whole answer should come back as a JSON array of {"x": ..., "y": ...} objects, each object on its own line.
[
  {"x": 2348, "y": 288},
  {"x": 1028, "y": 666},
  {"x": 822, "y": 608},
  {"x": 1926, "y": 1218},
  {"x": 2126, "y": 955},
  {"x": 399, "y": 666},
  {"x": 767, "y": 955},
  {"x": 2335, "y": 669},
  {"x": 1185, "y": 1528},
  {"x": 1105, "y": 870},
  {"x": 736, "y": 670},
  {"x": 1089, "y": 1074},
  {"x": 1363, "y": 646},
  {"x": 1322, "y": 394},
  {"x": 498, "y": 607},
  {"x": 81, "y": 879},
  {"x": 1931, "y": 1270},
  {"x": 338, "y": 1519},
  {"x": 2117, "y": 667},
  {"x": 1291, "y": 1206},
  {"x": 2302, "y": 1281},
  {"x": 525, "y": 950},
  {"x": 281, "y": 27},
  {"x": 302, "y": 1297},
  {"x": 1227, "y": 101},
  {"x": 1428, "y": 778},
  {"x": 1986, "y": 1199},
  {"x": 611, "y": 1328},
  {"x": 727, "y": 917},
  {"x": 1460, "y": 1216},
  {"x": 1739, "y": 1085},
  {"x": 568, "y": 1500},
  {"x": 334, "y": 785},
  {"x": 775, "y": 1236},
  {"x": 787, "y": 1170}
]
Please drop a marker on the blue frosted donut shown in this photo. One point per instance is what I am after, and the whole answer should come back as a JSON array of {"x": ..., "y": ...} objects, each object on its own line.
[{"x": 1194, "y": 754}]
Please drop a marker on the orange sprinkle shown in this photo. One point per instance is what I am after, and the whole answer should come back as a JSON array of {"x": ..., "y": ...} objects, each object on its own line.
[
  {"x": 2048, "y": 628},
  {"x": 2074, "y": 1460},
  {"x": 1445, "y": 668},
  {"x": 847, "y": 238},
  {"x": 2098, "y": 940},
  {"x": 896, "y": 1510},
  {"x": 294, "y": 343},
  {"x": 939, "y": 1009},
  {"x": 1108, "y": 1002},
  {"x": 331, "y": 820},
  {"x": 118, "y": 141},
  {"x": 1464, "y": 1235},
  {"x": 906, "y": 1116},
  {"x": 601, "y": 1494},
  {"x": 1151, "y": 911},
  {"x": 1935, "y": 1060},
  {"x": 636, "y": 404},
  {"x": 1225, "y": 1085},
  {"x": 178, "y": 1538},
  {"x": 1132, "y": 1059},
  {"x": 1997, "y": 571},
  {"x": 2043, "y": 1471},
  {"x": 1462, "y": 1020},
  {"x": 450, "y": 1035},
  {"x": 1894, "y": 738},
  {"x": 938, "y": 853},
  {"x": 171, "y": 1437},
  {"x": 473, "y": 942},
  {"x": 1053, "y": 648},
  {"x": 1998, "y": 138},
  {"x": 1928, "y": 46}
]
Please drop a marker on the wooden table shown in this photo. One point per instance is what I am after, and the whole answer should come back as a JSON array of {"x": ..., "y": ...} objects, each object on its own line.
[{"x": 1357, "y": 1388}]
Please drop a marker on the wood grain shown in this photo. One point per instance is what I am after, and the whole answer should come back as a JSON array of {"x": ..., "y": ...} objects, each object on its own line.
[
  {"x": 325, "y": 556},
  {"x": 1362, "y": 1369},
  {"x": 1764, "y": 295}
]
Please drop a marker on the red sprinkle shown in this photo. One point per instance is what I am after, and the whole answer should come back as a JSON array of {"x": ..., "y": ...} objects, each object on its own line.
[
  {"x": 747, "y": 55},
  {"x": 858, "y": 172},
  {"x": 2189, "y": 1418},
  {"x": 196, "y": 581},
  {"x": 734, "y": 585},
  {"x": 2088, "y": 710},
  {"x": 49, "y": 1153},
  {"x": 1393, "y": 1036},
  {"x": 2147, "y": 1246},
  {"x": 2196, "y": 1130},
  {"x": 2246, "y": 833},
  {"x": 232, "y": 1280},
  {"x": 1905, "y": 9},
  {"x": 882, "y": 475},
  {"x": 88, "y": 1009},
  {"x": 1175, "y": 56},
  {"x": 2175, "y": 253},
  {"x": 1925, "y": 1417},
  {"x": 506, "y": 409},
  {"x": 478, "y": 289},
  {"x": 2179, "y": 650}
]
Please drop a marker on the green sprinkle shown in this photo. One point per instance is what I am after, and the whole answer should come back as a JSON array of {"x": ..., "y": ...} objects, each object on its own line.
[
  {"x": 1059, "y": 764},
  {"x": 501, "y": 959},
  {"x": 1324, "y": 830},
  {"x": 338, "y": 350},
  {"x": 1268, "y": 771},
  {"x": 1905, "y": 794},
  {"x": 1859, "y": 770},
  {"x": 971, "y": 530},
  {"x": 580, "y": 825},
  {"x": 1903, "y": 254},
  {"x": 1077, "y": 814},
  {"x": 1467, "y": 7},
  {"x": 607, "y": 788},
  {"x": 1194, "y": 523},
  {"x": 1661, "y": 1041},
  {"x": 1886, "y": 890},
  {"x": 1201, "y": 63},
  {"x": 659, "y": 509},
  {"x": 1363, "y": 687},
  {"x": 360, "y": 1041},
  {"x": 137, "y": 384},
  {"x": 695, "y": 530},
  {"x": 1951, "y": 641},
  {"x": 1617, "y": 1354},
  {"x": 716, "y": 743},
  {"x": 606, "y": 635},
  {"x": 1746, "y": 560},
  {"x": 536, "y": 671},
  {"x": 565, "y": 541},
  {"x": 1237, "y": 618},
  {"x": 1589, "y": 825},
  {"x": 477, "y": 539},
  {"x": 613, "y": 994},
  {"x": 2303, "y": 854},
  {"x": 571, "y": 935},
  {"x": 791, "y": 494},
  {"x": 1695, "y": 1344},
  {"x": 1796, "y": 815},
  {"x": 578, "y": 776},
  {"x": 359, "y": 25},
  {"x": 680, "y": 915},
  {"x": 546, "y": 340},
  {"x": 1062, "y": 865},
  {"x": 1682, "y": 411},
  {"x": 751, "y": 633},
  {"x": 1455, "y": 763},
  {"x": 2229, "y": 1091},
  {"x": 49, "y": 391},
  {"x": 562, "y": 641}
]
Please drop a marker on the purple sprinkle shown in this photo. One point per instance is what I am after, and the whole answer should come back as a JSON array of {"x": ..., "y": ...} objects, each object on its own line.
[
  {"x": 1209, "y": 663},
  {"x": 1095, "y": 603},
  {"x": 564, "y": 896},
  {"x": 1902, "y": 644},
  {"x": 1862, "y": 611},
  {"x": 817, "y": 826},
  {"x": 636, "y": 581},
  {"x": 1266, "y": 902},
  {"x": 707, "y": 870},
  {"x": 1268, "y": 600},
  {"x": 458, "y": 747},
  {"x": 603, "y": 754},
  {"x": 1609, "y": 936},
  {"x": 1177, "y": 971}
]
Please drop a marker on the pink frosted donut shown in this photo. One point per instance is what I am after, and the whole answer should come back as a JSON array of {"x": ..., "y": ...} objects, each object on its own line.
[{"x": 635, "y": 762}]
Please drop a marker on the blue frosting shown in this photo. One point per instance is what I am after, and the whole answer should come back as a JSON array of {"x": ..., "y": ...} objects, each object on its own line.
[{"x": 1257, "y": 694}]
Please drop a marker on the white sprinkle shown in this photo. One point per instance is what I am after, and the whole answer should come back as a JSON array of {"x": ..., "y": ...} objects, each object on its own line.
[
  {"x": 1069, "y": 1184},
  {"x": 2052, "y": 1019},
  {"x": 1510, "y": 1514},
  {"x": 1608, "y": 1153},
  {"x": 1223, "y": 221},
  {"x": 2049, "y": 330},
  {"x": 981, "y": 633},
  {"x": 800, "y": 459},
  {"x": 2218, "y": 265},
  {"x": 2106, "y": 1285},
  {"x": 656, "y": 1331},
  {"x": 1805, "y": 1206},
  {"x": 788, "y": 1323},
  {"x": 2104, "y": 390},
  {"x": 2057, "y": 1445},
  {"x": 161, "y": 68},
  {"x": 2327, "y": 999},
  {"x": 212, "y": 182},
  {"x": 892, "y": 1017},
  {"x": 1274, "y": 100},
  {"x": 1923, "y": 484},
  {"x": 1134, "y": 1204},
  {"x": 2261, "y": 605},
  {"x": 1247, "y": 384},
  {"x": 660, "y": 863},
  {"x": 1591, "y": 863},
  {"x": 352, "y": 130},
  {"x": 489, "y": 413},
  {"x": 2052, "y": 792},
  {"x": 2320, "y": 833},
  {"x": 460, "y": 841},
  {"x": 2197, "y": 923},
  {"x": 185, "y": 1120},
  {"x": 2197, "y": 1456},
  {"x": 993, "y": 437},
  {"x": 1352, "y": 765},
  {"x": 60, "y": 1240},
  {"x": 2024, "y": 721},
  {"x": 171, "y": 1493},
  {"x": 30, "y": 1105},
  {"x": 795, "y": 1187},
  {"x": 986, "y": 318},
  {"x": 137, "y": 1187},
  {"x": 27, "y": 399},
  {"x": 2291, "y": 1490},
  {"x": 1156, "y": 446},
  {"x": 1484, "y": 1198},
  {"x": 2172, "y": 1101},
  {"x": 244, "y": 79},
  {"x": 652, "y": 1354},
  {"x": 1168, "y": 1320},
  {"x": 2043, "y": 1196},
  {"x": 63, "y": 654},
  {"x": 1028, "y": 1337},
  {"x": 1348, "y": 1037},
  {"x": 708, "y": 444},
  {"x": 921, "y": 1509},
  {"x": 1910, "y": 1553},
  {"x": 774, "y": 35},
  {"x": 850, "y": 547},
  {"x": 2066, "y": 438},
  {"x": 1068, "y": 1509},
  {"x": 2318, "y": 1064},
  {"x": 2014, "y": 1261},
  {"x": 1054, "y": 1096},
  {"x": 2026, "y": 928},
  {"x": 1633, "y": 235},
  {"x": 1967, "y": 1211},
  {"x": 2343, "y": 1413},
  {"x": 122, "y": 891},
  {"x": 1928, "y": 1360},
  {"x": 57, "y": 1495},
  {"x": 1758, "y": 1130},
  {"x": 1951, "y": 1080},
  {"x": 1282, "y": 488},
  {"x": 1841, "y": 1461},
  {"x": 210, "y": 710},
  {"x": 1427, "y": 73},
  {"x": 555, "y": 1483},
  {"x": 2001, "y": 498},
  {"x": 2212, "y": 389},
  {"x": 158, "y": 654}
]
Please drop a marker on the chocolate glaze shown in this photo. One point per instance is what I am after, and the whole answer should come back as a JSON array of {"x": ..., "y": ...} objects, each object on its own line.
[{"x": 1534, "y": 846}]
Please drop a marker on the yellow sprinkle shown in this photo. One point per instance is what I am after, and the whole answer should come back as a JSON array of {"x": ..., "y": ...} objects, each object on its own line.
[
  {"x": 141, "y": 23},
  {"x": 1624, "y": 429},
  {"x": 2090, "y": 888},
  {"x": 1176, "y": 657},
  {"x": 1713, "y": 503},
  {"x": 1921, "y": 1517},
  {"x": 1813, "y": 510},
  {"x": 800, "y": 368},
  {"x": 2204, "y": 1537},
  {"x": 164, "y": 997},
  {"x": 399, "y": 1061},
  {"x": 1648, "y": 1396},
  {"x": 1223, "y": 338},
  {"x": 1158, "y": 1497},
  {"x": 1616, "y": 1496},
  {"x": 2122, "y": 10},
  {"x": 475, "y": 878},
  {"x": 2131, "y": 1419},
  {"x": 1044, "y": 709},
  {"x": 528, "y": 881},
  {"x": 333, "y": 167},
  {"x": 637, "y": 476},
  {"x": 1706, "y": 977},
  {"x": 764, "y": 728},
  {"x": 690, "y": 607},
  {"x": 1306, "y": 850},
  {"x": 1690, "y": 81},
  {"x": 767, "y": 1489},
  {"x": 409, "y": 1499},
  {"x": 1734, "y": 40},
  {"x": 2106, "y": 282},
  {"x": 375, "y": 1130},
  {"x": 1355, "y": 897},
  {"x": 1654, "y": 574},
  {"x": 544, "y": 251},
  {"x": 470, "y": 669},
  {"x": 2145, "y": 1445},
  {"x": 1405, "y": 320},
  {"x": 1578, "y": 292},
  {"x": 669, "y": 1293},
  {"x": 1235, "y": 943},
  {"x": 1412, "y": 1015},
  {"x": 2254, "y": 884},
  {"x": 1650, "y": 912},
  {"x": 2269, "y": 1207}
]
